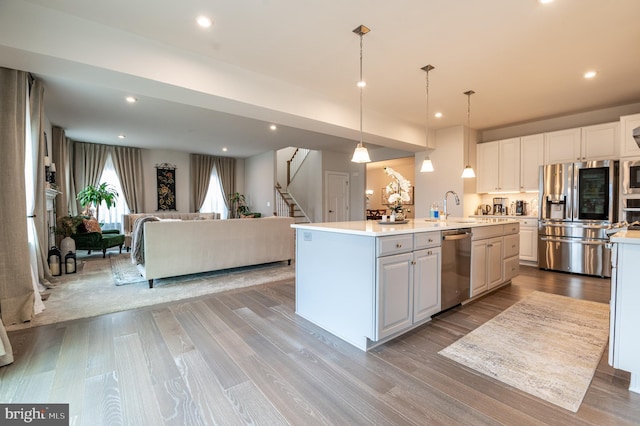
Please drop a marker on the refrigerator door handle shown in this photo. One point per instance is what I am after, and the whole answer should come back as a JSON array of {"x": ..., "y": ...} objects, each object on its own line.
[{"x": 574, "y": 241}]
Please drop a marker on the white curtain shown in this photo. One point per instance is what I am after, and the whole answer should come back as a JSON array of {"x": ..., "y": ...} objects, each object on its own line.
[
  {"x": 30, "y": 175},
  {"x": 215, "y": 201},
  {"x": 112, "y": 218}
]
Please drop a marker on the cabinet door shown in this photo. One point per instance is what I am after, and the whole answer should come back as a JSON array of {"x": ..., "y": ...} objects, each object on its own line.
[
  {"x": 426, "y": 283},
  {"x": 529, "y": 244},
  {"x": 394, "y": 294},
  {"x": 487, "y": 177},
  {"x": 628, "y": 145},
  {"x": 494, "y": 262},
  {"x": 509, "y": 165},
  {"x": 562, "y": 146},
  {"x": 478, "y": 267},
  {"x": 600, "y": 142},
  {"x": 531, "y": 158}
]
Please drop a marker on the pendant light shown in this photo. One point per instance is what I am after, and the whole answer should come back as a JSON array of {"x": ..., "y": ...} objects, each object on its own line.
[
  {"x": 468, "y": 170},
  {"x": 427, "y": 165},
  {"x": 361, "y": 155}
]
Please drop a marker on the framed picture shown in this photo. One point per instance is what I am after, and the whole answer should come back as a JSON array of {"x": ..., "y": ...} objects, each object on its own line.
[
  {"x": 385, "y": 197},
  {"x": 166, "y": 181}
]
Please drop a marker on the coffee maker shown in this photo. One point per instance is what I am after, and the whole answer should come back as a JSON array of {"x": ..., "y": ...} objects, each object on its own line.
[
  {"x": 521, "y": 208},
  {"x": 500, "y": 206}
]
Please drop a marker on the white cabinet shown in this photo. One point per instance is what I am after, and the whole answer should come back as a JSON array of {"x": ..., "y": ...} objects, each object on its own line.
[
  {"x": 486, "y": 258},
  {"x": 408, "y": 284},
  {"x": 628, "y": 145},
  {"x": 562, "y": 146},
  {"x": 487, "y": 160},
  {"x": 529, "y": 239},
  {"x": 531, "y": 158},
  {"x": 624, "y": 345},
  {"x": 600, "y": 142},
  {"x": 588, "y": 143},
  {"x": 510, "y": 165}
]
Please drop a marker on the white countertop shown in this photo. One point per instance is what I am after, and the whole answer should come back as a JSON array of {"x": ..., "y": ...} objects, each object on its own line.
[
  {"x": 503, "y": 216},
  {"x": 626, "y": 237},
  {"x": 374, "y": 229}
]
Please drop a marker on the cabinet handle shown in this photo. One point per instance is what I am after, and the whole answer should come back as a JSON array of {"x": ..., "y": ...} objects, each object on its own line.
[
  {"x": 429, "y": 252},
  {"x": 430, "y": 240},
  {"x": 398, "y": 245},
  {"x": 513, "y": 246},
  {"x": 489, "y": 245},
  {"x": 413, "y": 262}
]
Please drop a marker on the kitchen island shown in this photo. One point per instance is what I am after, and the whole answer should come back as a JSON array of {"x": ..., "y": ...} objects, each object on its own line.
[
  {"x": 368, "y": 282},
  {"x": 624, "y": 321}
]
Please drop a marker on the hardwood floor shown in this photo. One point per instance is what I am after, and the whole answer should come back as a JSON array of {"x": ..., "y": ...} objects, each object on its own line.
[{"x": 244, "y": 357}]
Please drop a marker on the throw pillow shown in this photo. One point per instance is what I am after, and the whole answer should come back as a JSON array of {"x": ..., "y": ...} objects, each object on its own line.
[{"x": 92, "y": 225}]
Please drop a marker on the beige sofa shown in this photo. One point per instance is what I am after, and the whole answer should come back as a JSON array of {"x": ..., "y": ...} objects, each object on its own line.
[
  {"x": 128, "y": 220},
  {"x": 173, "y": 248}
]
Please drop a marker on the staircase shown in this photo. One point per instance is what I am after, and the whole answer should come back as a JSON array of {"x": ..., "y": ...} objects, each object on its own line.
[{"x": 286, "y": 206}]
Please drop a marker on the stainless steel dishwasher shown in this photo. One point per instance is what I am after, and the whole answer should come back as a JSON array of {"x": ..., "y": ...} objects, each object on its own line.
[{"x": 456, "y": 267}]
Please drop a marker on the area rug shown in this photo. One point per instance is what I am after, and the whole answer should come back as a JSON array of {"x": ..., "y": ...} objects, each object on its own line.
[
  {"x": 124, "y": 272},
  {"x": 546, "y": 345},
  {"x": 93, "y": 292}
]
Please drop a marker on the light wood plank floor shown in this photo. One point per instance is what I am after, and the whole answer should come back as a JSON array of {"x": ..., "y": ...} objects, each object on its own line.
[{"x": 244, "y": 357}]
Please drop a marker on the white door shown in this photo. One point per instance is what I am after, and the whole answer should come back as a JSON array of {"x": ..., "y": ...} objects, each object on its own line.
[{"x": 337, "y": 196}]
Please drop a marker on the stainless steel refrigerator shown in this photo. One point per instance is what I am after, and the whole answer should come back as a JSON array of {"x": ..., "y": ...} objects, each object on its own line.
[{"x": 578, "y": 202}]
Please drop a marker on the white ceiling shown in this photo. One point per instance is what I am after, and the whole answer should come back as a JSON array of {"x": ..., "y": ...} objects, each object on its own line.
[{"x": 295, "y": 63}]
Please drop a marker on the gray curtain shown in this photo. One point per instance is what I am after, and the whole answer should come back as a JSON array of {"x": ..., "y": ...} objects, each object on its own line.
[
  {"x": 128, "y": 164},
  {"x": 201, "y": 168},
  {"x": 61, "y": 147},
  {"x": 36, "y": 99},
  {"x": 88, "y": 164},
  {"x": 226, "y": 170},
  {"x": 16, "y": 287}
]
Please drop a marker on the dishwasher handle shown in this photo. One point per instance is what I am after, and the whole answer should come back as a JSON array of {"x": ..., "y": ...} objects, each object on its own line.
[{"x": 457, "y": 236}]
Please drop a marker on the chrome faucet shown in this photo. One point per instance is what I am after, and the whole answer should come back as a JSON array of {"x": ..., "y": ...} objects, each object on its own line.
[{"x": 455, "y": 197}]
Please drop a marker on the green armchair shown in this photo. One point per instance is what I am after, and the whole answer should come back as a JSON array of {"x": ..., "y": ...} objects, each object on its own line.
[{"x": 99, "y": 241}]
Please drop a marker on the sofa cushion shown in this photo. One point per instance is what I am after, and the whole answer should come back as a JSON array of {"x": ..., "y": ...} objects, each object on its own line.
[{"x": 91, "y": 225}]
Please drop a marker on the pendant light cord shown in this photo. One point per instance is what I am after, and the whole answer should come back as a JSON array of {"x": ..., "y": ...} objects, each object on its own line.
[{"x": 360, "y": 85}]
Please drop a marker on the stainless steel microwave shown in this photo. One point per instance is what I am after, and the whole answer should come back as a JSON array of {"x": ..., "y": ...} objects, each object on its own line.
[{"x": 630, "y": 173}]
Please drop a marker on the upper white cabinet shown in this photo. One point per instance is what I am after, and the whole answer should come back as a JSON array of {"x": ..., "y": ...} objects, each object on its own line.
[
  {"x": 628, "y": 146},
  {"x": 562, "y": 146},
  {"x": 510, "y": 165},
  {"x": 582, "y": 144},
  {"x": 531, "y": 158}
]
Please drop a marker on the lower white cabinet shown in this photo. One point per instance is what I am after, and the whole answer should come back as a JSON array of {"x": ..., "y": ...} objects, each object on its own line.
[
  {"x": 486, "y": 265},
  {"x": 408, "y": 289},
  {"x": 494, "y": 256},
  {"x": 529, "y": 240},
  {"x": 624, "y": 345}
]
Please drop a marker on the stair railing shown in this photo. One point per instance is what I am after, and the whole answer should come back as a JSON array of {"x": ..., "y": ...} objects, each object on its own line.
[{"x": 294, "y": 163}]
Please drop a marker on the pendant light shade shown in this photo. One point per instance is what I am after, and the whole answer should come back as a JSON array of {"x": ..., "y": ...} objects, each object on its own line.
[
  {"x": 361, "y": 155},
  {"x": 427, "y": 165},
  {"x": 468, "y": 170}
]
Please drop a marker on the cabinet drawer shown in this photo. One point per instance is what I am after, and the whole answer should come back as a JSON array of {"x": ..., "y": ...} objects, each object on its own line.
[
  {"x": 395, "y": 244},
  {"x": 511, "y": 245},
  {"x": 511, "y": 267},
  {"x": 528, "y": 223},
  {"x": 426, "y": 240},
  {"x": 482, "y": 232},
  {"x": 511, "y": 228}
]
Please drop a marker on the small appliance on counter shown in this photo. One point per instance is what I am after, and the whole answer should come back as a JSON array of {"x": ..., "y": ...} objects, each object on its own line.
[
  {"x": 500, "y": 206},
  {"x": 520, "y": 208}
]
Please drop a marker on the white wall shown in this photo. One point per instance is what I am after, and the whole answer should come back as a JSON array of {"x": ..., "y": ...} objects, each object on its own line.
[
  {"x": 306, "y": 188},
  {"x": 259, "y": 182},
  {"x": 448, "y": 162}
]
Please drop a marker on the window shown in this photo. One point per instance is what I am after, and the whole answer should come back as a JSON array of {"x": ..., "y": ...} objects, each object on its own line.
[
  {"x": 112, "y": 218},
  {"x": 214, "y": 202}
]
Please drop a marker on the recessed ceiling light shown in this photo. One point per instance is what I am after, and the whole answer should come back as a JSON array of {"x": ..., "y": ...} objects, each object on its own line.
[
  {"x": 545, "y": 1},
  {"x": 204, "y": 21},
  {"x": 273, "y": 127},
  {"x": 590, "y": 74},
  {"x": 121, "y": 136},
  {"x": 131, "y": 99},
  {"x": 224, "y": 149},
  {"x": 438, "y": 115}
]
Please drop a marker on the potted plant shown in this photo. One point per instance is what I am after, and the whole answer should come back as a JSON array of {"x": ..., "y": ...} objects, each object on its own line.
[
  {"x": 96, "y": 195},
  {"x": 238, "y": 204}
]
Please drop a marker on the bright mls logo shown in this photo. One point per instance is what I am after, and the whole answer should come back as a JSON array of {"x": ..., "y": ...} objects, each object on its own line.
[{"x": 34, "y": 414}]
